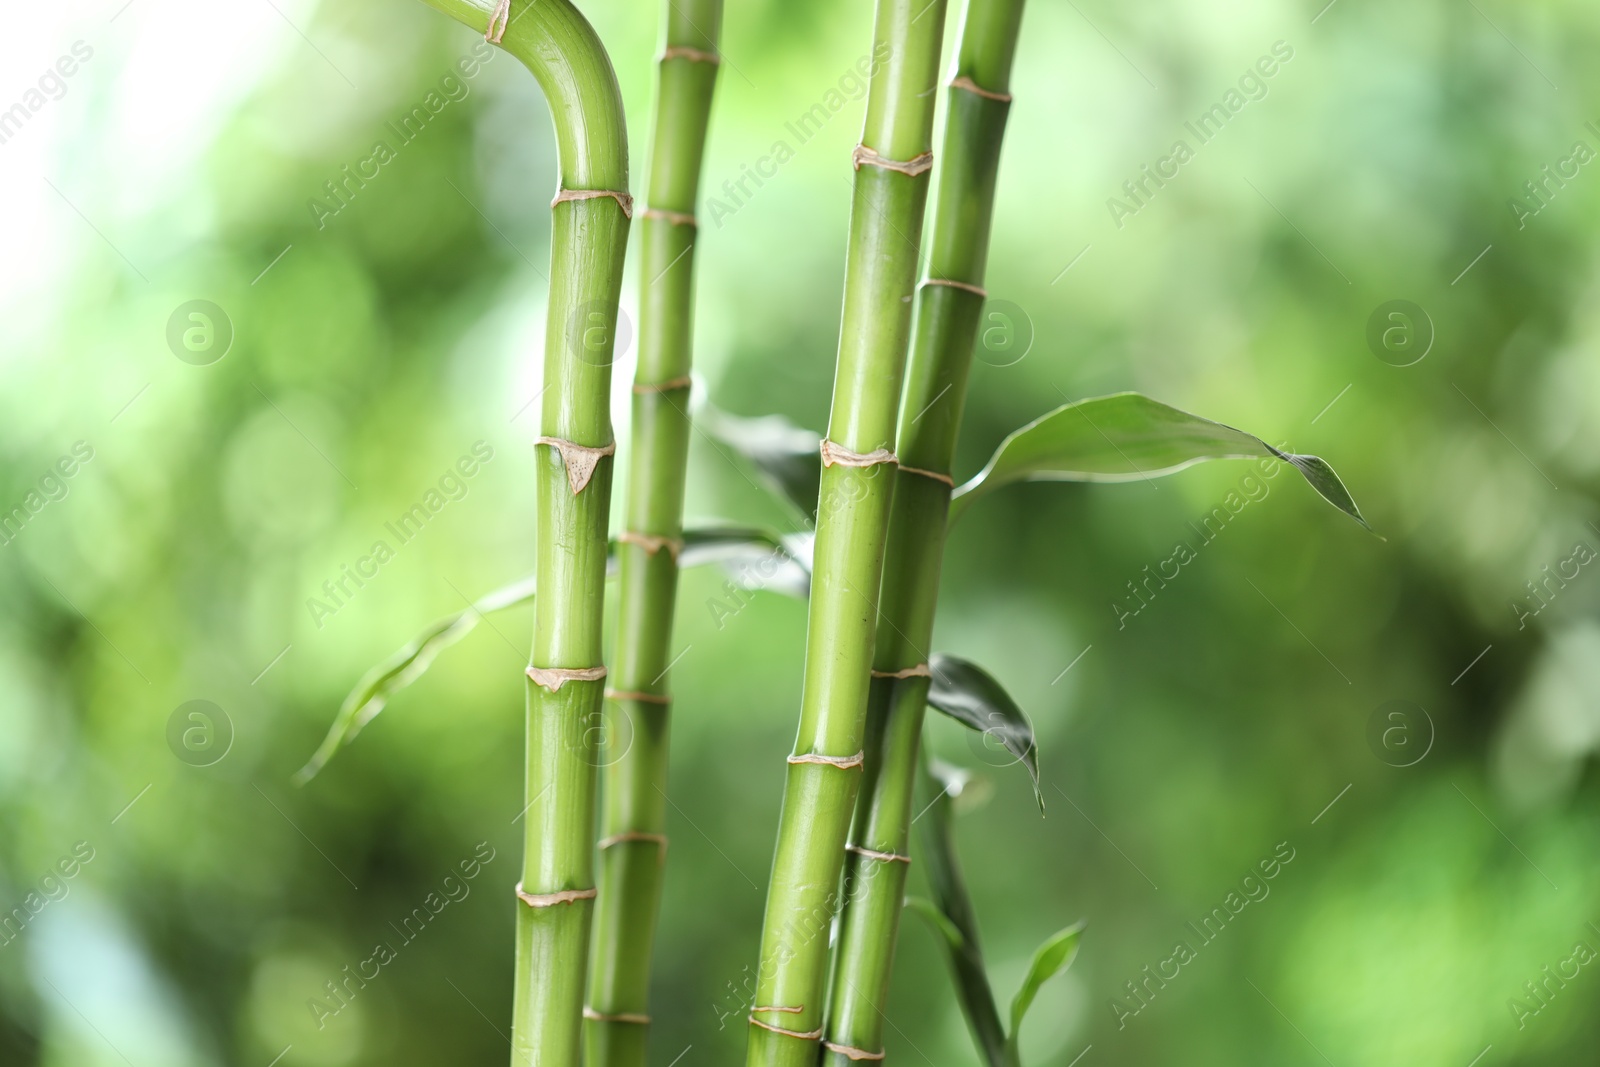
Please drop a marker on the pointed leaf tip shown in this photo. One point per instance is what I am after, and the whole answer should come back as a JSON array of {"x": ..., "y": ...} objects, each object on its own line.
[{"x": 973, "y": 697}]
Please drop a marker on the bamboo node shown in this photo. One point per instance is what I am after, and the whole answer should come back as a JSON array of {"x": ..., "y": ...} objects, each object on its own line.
[
  {"x": 973, "y": 87},
  {"x": 650, "y": 542},
  {"x": 580, "y": 460},
  {"x": 499, "y": 20},
  {"x": 844, "y": 763},
  {"x": 952, "y": 283},
  {"x": 837, "y": 454},
  {"x": 679, "y": 51},
  {"x": 640, "y": 388},
  {"x": 677, "y": 218},
  {"x": 910, "y": 168},
  {"x": 851, "y": 1051},
  {"x": 629, "y": 694},
  {"x": 622, "y": 199},
  {"x": 810, "y": 1035},
  {"x": 935, "y": 475},
  {"x": 620, "y": 1017},
  {"x": 795, "y": 1011},
  {"x": 553, "y": 678},
  {"x": 919, "y": 671},
  {"x": 630, "y": 835},
  {"x": 545, "y": 900},
  {"x": 881, "y": 857}
]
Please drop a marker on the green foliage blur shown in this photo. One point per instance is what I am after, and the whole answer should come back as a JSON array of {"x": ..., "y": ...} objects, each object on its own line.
[{"x": 1199, "y": 718}]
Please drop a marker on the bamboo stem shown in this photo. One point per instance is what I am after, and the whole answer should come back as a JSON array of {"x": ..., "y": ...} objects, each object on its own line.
[
  {"x": 891, "y": 186},
  {"x": 633, "y": 818},
  {"x": 946, "y": 330},
  {"x": 572, "y": 484}
]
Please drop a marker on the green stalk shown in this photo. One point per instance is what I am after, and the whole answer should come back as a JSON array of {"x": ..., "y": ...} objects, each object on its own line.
[
  {"x": 946, "y": 330},
  {"x": 633, "y": 844},
  {"x": 852, "y": 520},
  {"x": 587, "y": 243}
]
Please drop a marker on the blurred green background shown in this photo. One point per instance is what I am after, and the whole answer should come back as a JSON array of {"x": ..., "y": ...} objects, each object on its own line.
[{"x": 373, "y": 346}]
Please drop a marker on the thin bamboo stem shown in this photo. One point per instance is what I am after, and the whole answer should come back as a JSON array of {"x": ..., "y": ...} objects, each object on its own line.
[
  {"x": 947, "y": 321},
  {"x": 633, "y": 844},
  {"x": 572, "y": 485},
  {"x": 891, "y": 186}
]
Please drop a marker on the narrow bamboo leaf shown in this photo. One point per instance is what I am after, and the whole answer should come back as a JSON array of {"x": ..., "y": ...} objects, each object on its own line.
[
  {"x": 1052, "y": 957},
  {"x": 954, "y": 906},
  {"x": 1126, "y": 437},
  {"x": 790, "y": 571},
  {"x": 785, "y": 454},
  {"x": 954, "y": 942},
  {"x": 971, "y": 696},
  {"x": 375, "y": 688}
]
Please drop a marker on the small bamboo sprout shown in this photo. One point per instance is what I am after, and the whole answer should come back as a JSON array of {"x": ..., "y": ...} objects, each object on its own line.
[
  {"x": 891, "y": 187},
  {"x": 948, "y": 308},
  {"x": 633, "y": 844}
]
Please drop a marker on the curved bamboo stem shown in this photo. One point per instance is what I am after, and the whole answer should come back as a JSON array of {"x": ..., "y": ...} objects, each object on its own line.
[
  {"x": 891, "y": 185},
  {"x": 946, "y": 330},
  {"x": 633, "y": 844},
  {"x": 573, "y": 486}
]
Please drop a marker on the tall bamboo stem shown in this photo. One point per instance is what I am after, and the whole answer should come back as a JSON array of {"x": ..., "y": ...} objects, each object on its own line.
[
  {"x": 633, "y": 844},
  {"x": 572, "y": 486},
  {"x": 948, "y": 308},
  {"x": 891, "y": 187}
]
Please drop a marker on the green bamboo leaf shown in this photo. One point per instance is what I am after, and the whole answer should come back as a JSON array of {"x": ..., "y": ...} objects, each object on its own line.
[
  {"x": 971, "y": 696},
  {"x": 784, "y": 454},
  {"x": 954, "y": 942},
  {"x": 1126, "y": 437},
  {"x": 1052, "y": 957},
  {"x": 790, "y": 574}
]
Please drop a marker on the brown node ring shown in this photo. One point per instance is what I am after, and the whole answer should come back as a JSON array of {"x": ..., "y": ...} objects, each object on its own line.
[
  {"x": 628, "y": 694},
  {"x": 553, "y": 678},
  {"x": 545, "y": 900},
  {"x": 844, "y": 763},
  {"x": 679, "y": 51},
  {"x": 919, "y": 671},
  {"x": 622, "y": 199},
  {"x": 973, "y": 87},
  {"x": 580, "y": 460},
  {"x": 650, "y": 542},
  {"x": 953, "y": 284},
  {"x": 851, "y": 1052},
  {"x": 835, "y": 454},
  {"x": 621, "y": 1017},
  {"x": 910, "y": 168},
  {"x": 935, "y": 475},
  {"x": 641, "y": 388},
  {"x": 810, "y": 1035},
  {"x": 881, "y": 857},
  {"x": 500, "y": 17},
  {"x": 677, "y": 218}
]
